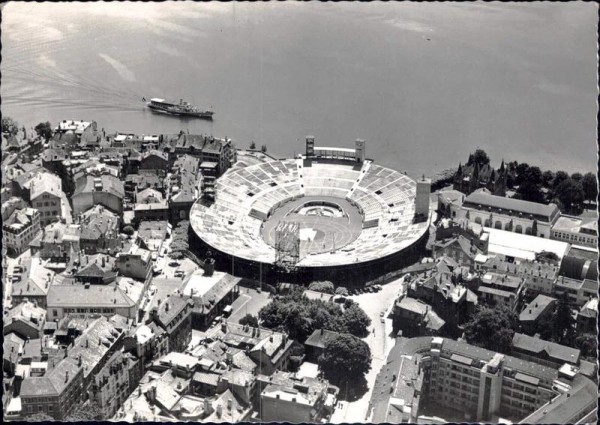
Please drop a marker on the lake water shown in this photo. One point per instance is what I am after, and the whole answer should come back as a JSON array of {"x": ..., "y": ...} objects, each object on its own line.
[{"x": 424, "y": 84}]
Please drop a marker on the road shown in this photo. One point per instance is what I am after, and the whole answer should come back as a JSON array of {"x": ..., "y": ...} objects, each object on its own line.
[
  {"x": 10, "y": 263},
  {"x": 380, "y": 342}
]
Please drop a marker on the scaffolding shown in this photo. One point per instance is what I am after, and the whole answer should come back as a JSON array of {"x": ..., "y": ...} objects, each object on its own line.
[{"x": 287, "y": 244}]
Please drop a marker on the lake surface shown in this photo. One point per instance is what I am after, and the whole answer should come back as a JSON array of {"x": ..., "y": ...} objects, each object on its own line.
[{"x": 424, "y": 84}]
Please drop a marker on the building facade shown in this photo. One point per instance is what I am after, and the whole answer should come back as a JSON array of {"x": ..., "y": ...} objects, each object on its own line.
[
  {"x": 510, "y": 214},
  {"x": 20, "y": 229}
]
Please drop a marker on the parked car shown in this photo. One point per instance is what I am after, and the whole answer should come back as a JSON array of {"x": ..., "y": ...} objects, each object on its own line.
[{"x": 173, "y": 264}]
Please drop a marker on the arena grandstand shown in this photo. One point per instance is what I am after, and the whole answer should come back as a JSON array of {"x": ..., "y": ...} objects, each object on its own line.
[{"x": 348, "y": 212}]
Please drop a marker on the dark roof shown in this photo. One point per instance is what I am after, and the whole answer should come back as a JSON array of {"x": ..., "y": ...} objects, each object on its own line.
[
  {"x": 170, "y": 308},
  {"x": 557, "y": 352},
  {"x": 578, "y": 268},
  {"x": 320, "y": 337},
  {"x": 536, "y": 307},
  {"x": 516, "y": 205},
  {"x": 110, "y": 184}
]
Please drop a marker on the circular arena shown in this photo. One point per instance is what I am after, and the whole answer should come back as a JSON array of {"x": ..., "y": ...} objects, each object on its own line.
[{"x": 309, "y": 214}]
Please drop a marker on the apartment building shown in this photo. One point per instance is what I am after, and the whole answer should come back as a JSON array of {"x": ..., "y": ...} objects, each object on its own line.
[
  {"x": 480, "y": 384},
  {"x": 19, "y": 229}
]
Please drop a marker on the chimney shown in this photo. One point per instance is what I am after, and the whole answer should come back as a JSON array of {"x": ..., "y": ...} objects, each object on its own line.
[
  {"x": 229, "y": 404},
  {"x": 219, "y": 410},
  {"x": 67, "y": 376}
]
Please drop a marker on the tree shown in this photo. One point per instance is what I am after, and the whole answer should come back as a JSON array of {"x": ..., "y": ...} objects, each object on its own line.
[
  {"x": 44, "y": 129},
  {"x": 534, "y": 175},
  {"x": 263, "y": 148},
  {"x": 345, "y": 356},
  {"x": 559, "y": 177},
  {"x": 529, "y": 191},
  {"x": 324, "y": 286},
  {"x": 590, "y": 187},
  {"x": 84, "y": 413},
  {"x": 577, "y": 177},
  {"x": 588, "y": 344},
  {"x": 547, "y": 177},
  {"x": 547, "y": 257},
  {"x": 300, "y": 316},
  {"x": 249, "y": 320},
  {"x": 128, "y": 230},
  {"x": 570, "y": 194},
  {"x": 252, "y": 145},
  {"x": 522, "y": 172},
  {"x": 563, "y": 324},
  {"x": 480, "y": 157},
  {"x": 39, "y": 417},
  {"x": 492, "y": 328},
  {"x": 9, "y": 125},
  {"x": 356, "y": 321},
  {"x": 341, "y": 290}
]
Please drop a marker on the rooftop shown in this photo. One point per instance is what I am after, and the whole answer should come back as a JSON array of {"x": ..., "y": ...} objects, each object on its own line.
[
  {"x": 555, "y": 351},
  {"x": 523, "y": 247},
  {"x": 109, "y": 296},
  {"x": 106, "y": 183},
  {"x": 536, "y": 307},
  {"x": 510, "y": 204}
]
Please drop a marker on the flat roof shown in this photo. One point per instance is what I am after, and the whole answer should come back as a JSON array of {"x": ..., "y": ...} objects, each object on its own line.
[
  {"x": 522, "y": 246},
  {"x": 328, "y": 148}
]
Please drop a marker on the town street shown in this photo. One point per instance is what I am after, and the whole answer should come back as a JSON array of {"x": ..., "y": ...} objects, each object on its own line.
[{"x": 380, "y": 342}]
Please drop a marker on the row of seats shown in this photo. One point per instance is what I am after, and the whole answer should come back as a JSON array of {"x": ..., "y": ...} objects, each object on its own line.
[{"x": 246, "y": 196}]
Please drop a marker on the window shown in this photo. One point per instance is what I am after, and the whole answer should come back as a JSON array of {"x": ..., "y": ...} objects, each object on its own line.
[{"x": 54, "y": 312}]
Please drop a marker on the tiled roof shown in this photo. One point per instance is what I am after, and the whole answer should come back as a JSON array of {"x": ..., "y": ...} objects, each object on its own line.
[
  {"x": 110, "y": 184},
  {"x": 535, "y": 308},
  {"x": 45, "y": 183},
  {"x": 516, "y": 205},
  {"x": 87, "y": 296},
  {"x": 170, "y": 308},
  {"x": 93, "y": 344},
  {"x": 555, "y": 351}
]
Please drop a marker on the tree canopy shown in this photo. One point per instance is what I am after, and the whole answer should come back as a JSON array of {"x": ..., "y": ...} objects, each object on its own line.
[
  {"x": 341, "y": 290},
  {"x": 570, "y": 195},
  {"x": 44, "y": 129},
  {"x": 492, "y": 328},
  {"x": 84, "y": 413},
  {"x": 252, "y": 145},
  {"x": 563, "y": 323},
  {"x": 356, "y": 320},
  {"x": 250, "y": 320},
  {"x": 559, "y": 177},
  {"x": 9, "y": 125},
  {"x": 344, "y": 357},
  {"x": 324, "y": 286},
  {"x": 300, "y": 316},
  {"x": 590, "y": 187},
  {"x": 480, "y": 157},
  {"x": 180, "y": 241}
]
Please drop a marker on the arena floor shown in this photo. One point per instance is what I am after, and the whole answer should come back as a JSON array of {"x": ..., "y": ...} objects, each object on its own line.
[{"x": 318, "y": 233}]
